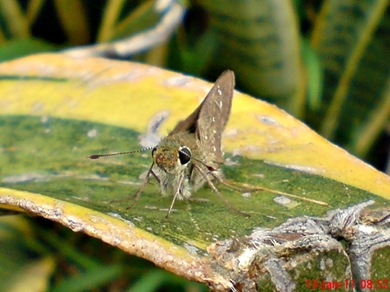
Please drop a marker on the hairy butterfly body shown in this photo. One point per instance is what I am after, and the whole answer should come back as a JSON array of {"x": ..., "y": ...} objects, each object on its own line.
[{"x": 191, "y": 154}]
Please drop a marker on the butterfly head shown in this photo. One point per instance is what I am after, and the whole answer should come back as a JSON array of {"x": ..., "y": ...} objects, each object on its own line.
[{"x": 171, "y": 158}]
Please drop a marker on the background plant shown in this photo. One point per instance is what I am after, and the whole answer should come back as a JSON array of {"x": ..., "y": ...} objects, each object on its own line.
[{"x": 325, "y": 62}]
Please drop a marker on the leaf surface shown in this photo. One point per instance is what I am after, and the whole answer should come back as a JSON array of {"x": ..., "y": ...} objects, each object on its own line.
[{"x": 56, "y": 110}]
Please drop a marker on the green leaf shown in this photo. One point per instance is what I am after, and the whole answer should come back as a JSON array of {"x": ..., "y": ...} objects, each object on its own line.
[
  {"x": 16, "y": 262},
  {"x": 260, "y": 41},
  {"x": 23, "y": 47},
  {"x": 349, "y": 37},
  {"x": 87, "y": 281},
  {"x": 57, "y": 110}
]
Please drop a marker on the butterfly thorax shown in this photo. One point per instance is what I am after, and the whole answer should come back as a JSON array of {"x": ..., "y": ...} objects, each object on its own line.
[{"x": 179, "y": 161}]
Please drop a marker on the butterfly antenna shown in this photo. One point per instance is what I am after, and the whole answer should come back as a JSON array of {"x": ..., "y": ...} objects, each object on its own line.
[{"x": 96, "y": 156}]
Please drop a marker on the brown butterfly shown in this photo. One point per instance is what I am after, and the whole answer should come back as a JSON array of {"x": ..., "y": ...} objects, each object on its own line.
[{"x": 191, "y": 154}]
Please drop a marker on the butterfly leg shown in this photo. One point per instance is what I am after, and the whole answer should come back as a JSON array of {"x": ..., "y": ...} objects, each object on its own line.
[
  {"x": 252, "y": 189},
  {"x": 177, "y": 193},
  {"x": 212, "y": 186},
  {"x": 137, "y": 194}
]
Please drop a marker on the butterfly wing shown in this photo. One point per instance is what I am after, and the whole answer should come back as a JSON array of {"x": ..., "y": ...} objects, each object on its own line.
[
  {"x": 214, "y": 115},
  {"x": 209, "y": 119},
  {"x": 206, "y": 124},
  {"x": 200, "y": 120}
]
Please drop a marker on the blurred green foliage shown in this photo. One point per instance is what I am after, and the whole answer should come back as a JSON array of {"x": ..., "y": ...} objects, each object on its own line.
[{"x": 325, "y": 62}]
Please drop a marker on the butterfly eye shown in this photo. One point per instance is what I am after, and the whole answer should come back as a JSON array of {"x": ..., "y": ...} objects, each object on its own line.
[{"x": 184, "y": 155}]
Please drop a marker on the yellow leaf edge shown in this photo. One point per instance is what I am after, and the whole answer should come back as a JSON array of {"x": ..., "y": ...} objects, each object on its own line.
[{"x": 116, "y": 232}]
